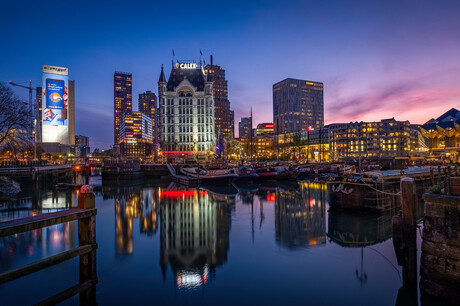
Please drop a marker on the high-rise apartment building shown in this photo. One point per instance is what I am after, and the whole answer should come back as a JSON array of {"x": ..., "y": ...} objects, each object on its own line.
[
  {"x": 221, "y": 103},
  {"x": 136, "y": 135},
  {"x": 82, "y": 148},
  {"x": 148, "y": 103},
  {"x": 123, "y": 101},
  {"x": 186, "y": 113},
  {"x": 297, "y": 105},
  {"x": 148, "y": 106},
  {"x": 244, "y": 127}
]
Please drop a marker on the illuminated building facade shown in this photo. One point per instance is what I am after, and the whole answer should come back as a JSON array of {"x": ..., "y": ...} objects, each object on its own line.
[
  {"x": 262, "y": 147},
  {"x": 123, "y": 100},
  {"x": 221, "y": 103},
  {"x": 186, "y": 113},
  {"x": 148, "y": 106},
  {"x": 297, "y": 105},
  {"x": 443, "y": 136},
  {"x": 387, "y": 138},
  {"x": 136, "y": 135},
  {"x": 265, "y": 129},
  {"x": 308, "y": 146}
]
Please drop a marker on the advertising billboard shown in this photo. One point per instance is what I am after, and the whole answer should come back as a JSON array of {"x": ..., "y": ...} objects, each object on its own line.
[{"x": 55, "y": 104}]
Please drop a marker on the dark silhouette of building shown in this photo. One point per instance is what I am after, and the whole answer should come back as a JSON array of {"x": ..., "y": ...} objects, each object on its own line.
[
  {"x": 123, "y": 100},
  {"x": 297, "y": 105},
  {"x": 216, "y": 75},
  {"x": 244, "y": 127},
  {"x": 232, "y": 124}
]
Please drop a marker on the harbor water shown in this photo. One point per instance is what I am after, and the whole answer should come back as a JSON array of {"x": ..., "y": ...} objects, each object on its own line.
[{"x": 164, "y": 244}]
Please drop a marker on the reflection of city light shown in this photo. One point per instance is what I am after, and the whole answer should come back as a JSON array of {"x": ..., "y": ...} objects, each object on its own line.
[
  {"x": 203, "y": 193},
  {"x": 178, "y": 193},
  {"x": 312, "y": 202},
  {"x": 31, "y": 250},
  {"x": 55, "y": 237},
  {"x": 270, "y": 197}
]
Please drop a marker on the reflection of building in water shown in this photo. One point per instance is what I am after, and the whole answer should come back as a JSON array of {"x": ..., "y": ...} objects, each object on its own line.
[
  {"x": 299, "y": 215},
  {"x": 194, "y": 235},
  {"x": 358, "y": 229},
  {"x": 141, "y": 205}
]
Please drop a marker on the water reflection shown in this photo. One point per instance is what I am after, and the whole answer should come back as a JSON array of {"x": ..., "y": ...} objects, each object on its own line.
[
  {"x": 134, "y": 202},
  {"x": 195, "y": 226},
  {"x": 358, "y": 229},
  {"x": 300, "y": 215}
]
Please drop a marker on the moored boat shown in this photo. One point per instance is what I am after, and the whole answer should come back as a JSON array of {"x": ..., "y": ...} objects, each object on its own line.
[
  {"x": 212, "y": 176},
  {"x": 266, "y": 173},
  {"x": 246, "y": 174}
]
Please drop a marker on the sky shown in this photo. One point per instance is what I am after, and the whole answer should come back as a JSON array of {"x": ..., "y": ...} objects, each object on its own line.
[{"x": 377, "y": 59}]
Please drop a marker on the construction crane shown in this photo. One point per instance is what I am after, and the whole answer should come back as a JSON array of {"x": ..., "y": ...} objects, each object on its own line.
[
  {"x": 30, "y": 95},
  {"x": 32, "y": 130}
]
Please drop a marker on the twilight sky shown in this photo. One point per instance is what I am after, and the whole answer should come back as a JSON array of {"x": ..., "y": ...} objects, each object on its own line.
[{"x": 377, "y": 59}]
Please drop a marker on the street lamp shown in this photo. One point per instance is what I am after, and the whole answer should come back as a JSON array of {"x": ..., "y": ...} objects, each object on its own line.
[{"x": 309, "y": 129}]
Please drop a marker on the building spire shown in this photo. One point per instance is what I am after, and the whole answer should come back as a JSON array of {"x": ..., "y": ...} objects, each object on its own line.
[{"x": 162, "y": 75}]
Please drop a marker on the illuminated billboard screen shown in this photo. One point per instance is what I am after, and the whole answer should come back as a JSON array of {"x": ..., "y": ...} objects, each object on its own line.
[{"x": 55, "y": 104}]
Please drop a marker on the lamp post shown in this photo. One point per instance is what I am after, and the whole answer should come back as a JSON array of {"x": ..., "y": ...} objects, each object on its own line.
[{"x": 309, "y": 129}]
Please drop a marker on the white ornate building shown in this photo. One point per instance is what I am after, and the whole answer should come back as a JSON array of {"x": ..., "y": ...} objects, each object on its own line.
[{"x": 186, "y": 113}]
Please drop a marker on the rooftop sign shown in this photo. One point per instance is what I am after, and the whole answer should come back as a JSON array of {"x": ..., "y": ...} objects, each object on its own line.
[{"x": 186, "y": 65}]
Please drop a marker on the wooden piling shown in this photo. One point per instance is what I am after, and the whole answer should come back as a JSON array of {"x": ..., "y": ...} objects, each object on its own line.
[
  {"x": 409, "y": 260},
  {"x": 87, "y": 235}
]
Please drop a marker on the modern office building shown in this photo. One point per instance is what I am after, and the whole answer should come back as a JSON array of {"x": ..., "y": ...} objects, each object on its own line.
[
  {"x": 265, "y": 129},
  {"x": 297, "y": 105},
  {"x": 82, "y": 148},
  {"x": 221, "y": 103},
  {"x": 123, "y": 102},
  {"x": 245, "y": 128},
  {"x": 136, "y": 135},
  {"x": 186, "y": 113}
]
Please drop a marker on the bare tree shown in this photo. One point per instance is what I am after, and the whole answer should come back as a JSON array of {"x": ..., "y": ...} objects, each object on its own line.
[{"x": 14, "y": 115}]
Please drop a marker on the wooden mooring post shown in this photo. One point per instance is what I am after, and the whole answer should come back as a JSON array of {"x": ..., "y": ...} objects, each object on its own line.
[
  {"x": 85, "y": 215},
  {"x": 404, "y": 233}
]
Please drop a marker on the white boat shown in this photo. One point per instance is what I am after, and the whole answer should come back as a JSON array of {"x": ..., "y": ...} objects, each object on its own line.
[{"x": 209, "y": 175}]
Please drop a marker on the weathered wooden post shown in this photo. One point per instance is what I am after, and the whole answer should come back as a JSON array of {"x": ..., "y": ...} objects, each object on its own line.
[
  {"x": 404, "y": 234},
  {"x": 87, "y": 235}
]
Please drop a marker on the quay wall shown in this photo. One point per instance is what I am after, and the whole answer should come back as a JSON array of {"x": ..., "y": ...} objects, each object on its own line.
[{"x": 440, "y": 259}]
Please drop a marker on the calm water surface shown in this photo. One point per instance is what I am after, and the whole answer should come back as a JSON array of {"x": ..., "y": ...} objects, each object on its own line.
[{"x": 254, "y": 244}]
